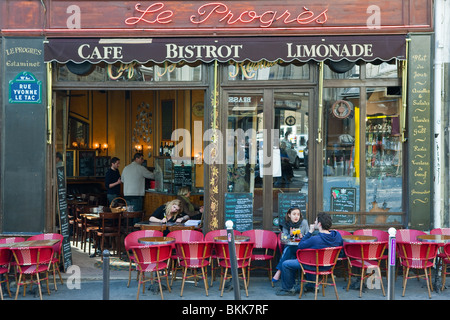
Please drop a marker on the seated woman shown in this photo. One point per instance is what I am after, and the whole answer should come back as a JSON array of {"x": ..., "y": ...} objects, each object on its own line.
[
  {"x": 193, "y": 211},
  {"x": 169, "y": 212}
]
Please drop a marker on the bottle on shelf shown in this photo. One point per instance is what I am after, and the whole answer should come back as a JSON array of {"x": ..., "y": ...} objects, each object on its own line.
[{"x": 161, "y": 149}]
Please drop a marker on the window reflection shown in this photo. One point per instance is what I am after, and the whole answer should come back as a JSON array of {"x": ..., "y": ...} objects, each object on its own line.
[{"x": 264, "y": 70}]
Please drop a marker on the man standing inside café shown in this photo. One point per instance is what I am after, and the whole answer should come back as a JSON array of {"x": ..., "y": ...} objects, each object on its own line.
[
  {"x": 112, "y": 180},
  {"x": 133, "y": 179},
  {"x": 323, "y": 239}
]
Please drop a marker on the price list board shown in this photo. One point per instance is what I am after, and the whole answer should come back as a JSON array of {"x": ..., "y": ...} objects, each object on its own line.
[
  {"x": 63, "y": 216},
  {"x": 239, "y": 209},
  {"x": 343, "y": 200}
]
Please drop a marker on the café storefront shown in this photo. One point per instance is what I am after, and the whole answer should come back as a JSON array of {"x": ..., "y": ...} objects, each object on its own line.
[{"x": 318, "y": 112}]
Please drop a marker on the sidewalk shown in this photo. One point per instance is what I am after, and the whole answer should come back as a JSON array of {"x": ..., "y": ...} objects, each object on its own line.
[{"x": 260, "y": 289}]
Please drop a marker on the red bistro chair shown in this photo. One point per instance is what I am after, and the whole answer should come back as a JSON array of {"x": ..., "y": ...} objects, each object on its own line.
[
  {"x": 380, "y": 235},
  {"x": 5, "y": 259},
  {"x": 342, "y": 258},
  {"x": 243, "y": 257},
  {"x": 132, "y": 240},
  {"x": 408, "y": 235},
  {"x": 323, "y": 261},
  {"x": 11, "y": 240},
  {"x": 152, "y": 259},
  {"x": 56, "y": 252},
  {"x": 441, "y": 231},
  {"x": 210, "y": 237},
  {"x": 195, "y": 255},
  {"x": 445, "y": 263},
  {"x": 181, "y": 236},
  {"x": 419, "y": 256},
  {"x": 264, "y": 249},
  {"x": 364, "y": 255},
  {"x": 32, "y": 261}
]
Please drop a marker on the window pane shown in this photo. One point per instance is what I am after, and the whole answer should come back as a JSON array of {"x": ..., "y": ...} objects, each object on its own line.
[
  {"x": 383, "y": 153},
  {"x": 382, "y": 70},
  {"x": 264, "y": 70}
]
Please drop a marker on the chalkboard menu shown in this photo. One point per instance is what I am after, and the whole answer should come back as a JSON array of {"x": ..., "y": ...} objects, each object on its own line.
[
  {"x": 287, "y": 200},
  {"x": 86, "y": 163},
  {"x": 239, "y": 209},
  {"x": 70, "y": 161},
  {"x": 343, "y": 200},
  {"x": 63, "y": 216},
  {"x": 182, "y": 176},
  {"x": 101, "y": 166}
]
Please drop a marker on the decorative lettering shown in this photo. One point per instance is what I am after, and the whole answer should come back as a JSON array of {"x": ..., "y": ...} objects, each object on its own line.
[{"x": 153, "y": 14}]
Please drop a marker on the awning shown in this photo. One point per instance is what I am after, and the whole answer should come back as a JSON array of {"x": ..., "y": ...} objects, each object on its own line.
[{"x": 239, "y": 49}]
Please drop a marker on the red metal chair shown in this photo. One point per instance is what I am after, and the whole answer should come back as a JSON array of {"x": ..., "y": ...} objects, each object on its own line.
[
  {"x": 380, "y": 235},
  {"x": 342, "y": 258},
  {"x": 181, "y": 236},
  {"x": 5, "y": 259},
  {"x": 445, "y": 263},
  {"x": 408, "y": 235},
  {"x": 323, "y": 260},
  {"x": 243, "y": 257},
  {"x": 441, "y": 255},
  {"x": 264, "y": 249},
  {"x": 152, "y": 259},
  {"x": 132, "y": 240},
  {"x": 32, "y": 261},
  {"x": 210, "y": 237},
  {"x": 419, "y": 256},
  {"x": 56, "y": 252},
  {"x": 195, "y": 255},
  {"x": 364, "y": 255},
  {"x": 444, "y": 231},
  {"x": 11, "y": 240}
]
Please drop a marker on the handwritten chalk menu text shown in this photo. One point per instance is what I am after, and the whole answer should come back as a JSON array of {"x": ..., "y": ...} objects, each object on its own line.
[
  {"x": 63, "y": 216},
  {"x": 420, "y": 141},
  {"x": 343, "y": 200},
  {"x": 288, "y": 200},
  {"x": 239, "y": 209}
]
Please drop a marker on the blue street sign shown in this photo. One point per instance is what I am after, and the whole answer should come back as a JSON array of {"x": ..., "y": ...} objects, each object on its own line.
[{"x": 25, "y": 89}]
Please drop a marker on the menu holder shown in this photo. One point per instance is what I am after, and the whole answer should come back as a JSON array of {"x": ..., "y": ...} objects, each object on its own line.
[{"x": 239, "y": 209}]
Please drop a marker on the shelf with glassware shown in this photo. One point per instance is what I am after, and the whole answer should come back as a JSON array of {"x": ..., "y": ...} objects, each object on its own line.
[
  {"x": 383, "y": 147},
  {"x": 172, "y": 173}
]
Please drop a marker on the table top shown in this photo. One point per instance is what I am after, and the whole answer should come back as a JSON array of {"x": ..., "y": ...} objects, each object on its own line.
[
  {"x": 156, "y": 240},
  {"x": 437, "y": 238},
  {"x": 145, "y": 225},
  {"x": 236, "y": 239},
  {"x": 32, "y": 243},
  {"x": 290, "y": 242},
  {"x": 359, "y": 238}
]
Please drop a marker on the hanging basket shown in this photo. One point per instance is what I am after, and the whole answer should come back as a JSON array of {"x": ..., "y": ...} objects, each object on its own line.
[{"x": 119, "y": 208}]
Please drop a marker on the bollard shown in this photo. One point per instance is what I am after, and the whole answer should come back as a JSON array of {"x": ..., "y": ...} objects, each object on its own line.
[
  {"x": 233, "y": 261},
  {"x": 106, "y": 256},
  {"x": 391, "y": 262}
]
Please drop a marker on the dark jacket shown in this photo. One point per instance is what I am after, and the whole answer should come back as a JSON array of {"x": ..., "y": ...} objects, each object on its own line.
[
  {"x": 111, "y": 177},
  {"x": 321, "y": 240}
]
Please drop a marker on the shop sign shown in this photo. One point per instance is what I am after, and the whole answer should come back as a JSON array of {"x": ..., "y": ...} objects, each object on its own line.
[{"x": 25, "y": 88}]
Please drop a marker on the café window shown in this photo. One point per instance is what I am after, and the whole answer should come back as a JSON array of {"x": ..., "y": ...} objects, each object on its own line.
[{"x": 264, "y": 70}]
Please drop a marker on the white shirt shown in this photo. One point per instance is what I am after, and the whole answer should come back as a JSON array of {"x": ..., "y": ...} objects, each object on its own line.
[{"x": 133, "y": 178}]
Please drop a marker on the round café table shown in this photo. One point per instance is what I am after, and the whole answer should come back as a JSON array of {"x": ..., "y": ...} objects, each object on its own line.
[
  {"x": 156, "y": 240},
  {"x": 236, "y": 239},
  {"x": 290, "y": 242},
  {"x": 359, "y": 238},
  {"x": 436, "y": 238}
]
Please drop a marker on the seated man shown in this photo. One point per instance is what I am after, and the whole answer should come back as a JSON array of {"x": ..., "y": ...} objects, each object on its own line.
[{"x": 325, "y": 238}]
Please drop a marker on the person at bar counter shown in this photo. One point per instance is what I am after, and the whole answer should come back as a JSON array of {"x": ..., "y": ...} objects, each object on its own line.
[
  {"x": 293, "y": 220},
  {"x": 325, "y": 238},
  {"x": 133, "y": 179},
  {"x": 170, "y": 212},
  {"x": 112, "y": 180},
  {"x": 193, "y": 211}
]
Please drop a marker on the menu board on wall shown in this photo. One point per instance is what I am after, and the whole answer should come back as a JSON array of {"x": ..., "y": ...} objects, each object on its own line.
[
  {"x": 182, "y": 176},
  {"x": 86, "y": 163},
  {"x": 343, "y": 200},
  {"x": 239, "y": 209},
  {"x": 63, "y": 216},
  {"x": 288, "y": 200},
  {"x": 419, "y": 130}
]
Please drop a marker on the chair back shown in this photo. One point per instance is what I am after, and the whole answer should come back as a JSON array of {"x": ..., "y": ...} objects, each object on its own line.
[
  {"x": 417, "y": 254},
  {"x": 243, "y": 252},
  {"x": 132, "y": 238},
  {"x": 155, "y": 255},
  {"x": 219, "y": 233},
  {"x": 129, "y": 220},
  {"x": 50, "y": 236},
  {"x": 11, "y": 240},
  {"x": 5, "y": 256},
  {"x": 195, "y": 253},
  {"x": 110, "y": 223},
  {"x": 446, "y": 250},
  {"x": 408, "y": 235},
  {"x": 325, "y": 257},
  {"x": 186, "y": 235},
  {"x": 263, "y": 239},
  {"x": 28, "y": 256},
  {"x": 442, "y": 231},
  {"x": 343, "y": 232},
  {"x": 365, "y": 251},
  {"x": 379, "y": 234}
]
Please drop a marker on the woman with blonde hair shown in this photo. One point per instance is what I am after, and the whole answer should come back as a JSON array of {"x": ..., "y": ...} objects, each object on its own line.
[
  {"x": 170, "y": 212},
  {"x": 193, "y": 211}
]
